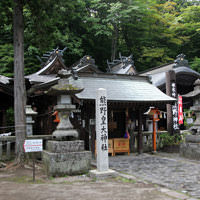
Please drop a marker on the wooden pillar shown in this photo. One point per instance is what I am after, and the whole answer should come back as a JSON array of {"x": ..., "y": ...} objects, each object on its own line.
[
  {"x": 8, "y": 150},
  {"x": 132, "y": 137},
  {"x": 140, "y": 135},
  {"x": 154, "y": 135},
  {"x": 1, "y": 149},
  {"x": 4, "y": 123},
  {"x": 170, "y": 77}
]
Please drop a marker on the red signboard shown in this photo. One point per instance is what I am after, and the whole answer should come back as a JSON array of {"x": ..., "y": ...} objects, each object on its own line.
[{"x": 180, "y": 110}]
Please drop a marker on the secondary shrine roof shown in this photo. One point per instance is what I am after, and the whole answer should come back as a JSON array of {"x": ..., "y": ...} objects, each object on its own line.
[{"x": 185, "y": 75}]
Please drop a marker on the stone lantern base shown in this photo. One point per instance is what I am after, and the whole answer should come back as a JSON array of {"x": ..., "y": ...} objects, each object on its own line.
[
  {"x": 191, "y": 148},
  {"x": 66, "y": 158}
]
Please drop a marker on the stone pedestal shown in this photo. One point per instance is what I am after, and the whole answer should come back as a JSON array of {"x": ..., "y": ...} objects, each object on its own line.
[
  {"x": 66, "y": 158},
  {"x": 191, "y": 148}
]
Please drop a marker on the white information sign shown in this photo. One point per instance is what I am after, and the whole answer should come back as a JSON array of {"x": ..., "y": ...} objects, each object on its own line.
[{"x": 33, "y": 145}]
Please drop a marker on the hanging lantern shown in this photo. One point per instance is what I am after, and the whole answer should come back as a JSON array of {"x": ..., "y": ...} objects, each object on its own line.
[{"x": 57, "y": 120}]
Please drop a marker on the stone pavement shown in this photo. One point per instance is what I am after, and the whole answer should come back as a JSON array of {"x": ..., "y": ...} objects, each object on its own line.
[{"x": 168, "y": 170}]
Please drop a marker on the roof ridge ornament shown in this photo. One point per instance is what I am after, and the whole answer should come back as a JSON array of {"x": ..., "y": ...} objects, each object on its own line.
[
  {"x": 180, "y": 61},
  {"x": 87, "y": 59},
  {"x": 50, "y": 55},
  {"x": 124, "y": 60}
]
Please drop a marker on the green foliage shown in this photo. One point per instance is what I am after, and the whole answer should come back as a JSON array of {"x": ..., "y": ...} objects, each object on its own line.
[
  {"x": 154, "y": 31},
  {"x": 168, "y": 139},
  {"x": 195, "y": 64},
  {"x": 6, "y": 59},
  {"x": 10, "y": 117}
]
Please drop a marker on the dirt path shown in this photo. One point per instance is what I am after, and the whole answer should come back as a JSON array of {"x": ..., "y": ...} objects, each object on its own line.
[{"x": 17, "y": 185}]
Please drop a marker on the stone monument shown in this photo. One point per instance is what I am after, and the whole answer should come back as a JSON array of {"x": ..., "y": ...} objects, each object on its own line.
[
  {"x": 191, "y": 147},
  {"x": 103, "y": 170},
  {"x": 65, "y": 154}
]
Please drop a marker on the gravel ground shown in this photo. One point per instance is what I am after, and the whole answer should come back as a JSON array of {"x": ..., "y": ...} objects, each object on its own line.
[{"x": 16, "y": 184}]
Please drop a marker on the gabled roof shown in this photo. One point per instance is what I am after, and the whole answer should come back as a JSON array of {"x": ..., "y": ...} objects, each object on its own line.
[
  {"x": 49, "y": 71},
  {"x": 52, "y": 67},
  {"x": 124, "y": 65},
  {"x": 85, "y": 64}
]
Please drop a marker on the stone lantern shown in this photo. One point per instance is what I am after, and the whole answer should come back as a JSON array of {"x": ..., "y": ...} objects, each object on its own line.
[
  {"x": 190, "y": 148},
  {"x": 29, "y": 120},
  {"x": 63, "y": 90},
  {"x": 65, "y": 154},
  {"x": 195, "y": 95}
]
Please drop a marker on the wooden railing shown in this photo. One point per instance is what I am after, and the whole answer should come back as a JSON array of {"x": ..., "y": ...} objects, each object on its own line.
[{"x": 7, "y": 143}]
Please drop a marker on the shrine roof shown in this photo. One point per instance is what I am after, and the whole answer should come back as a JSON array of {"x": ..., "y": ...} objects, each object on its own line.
[
  {"x": 123, "y": 70},
  {"x": 183, "y": 73},
  {"x": 6, "y": 85},
  {"x": 126, "y": 88},
  {"x": 35, "y": 78},
  {"x": 4, "y": 79},
  {"x": 123, "y": 65}
]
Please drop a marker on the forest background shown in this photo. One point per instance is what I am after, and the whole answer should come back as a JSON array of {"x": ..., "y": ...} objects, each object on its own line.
[{"x": 154, "y": 31}]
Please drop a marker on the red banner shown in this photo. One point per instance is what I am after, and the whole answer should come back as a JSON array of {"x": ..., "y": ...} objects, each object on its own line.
[{"x": 180, "y": 110}]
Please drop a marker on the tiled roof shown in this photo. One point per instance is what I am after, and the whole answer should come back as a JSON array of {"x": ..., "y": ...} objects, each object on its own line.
[{"x": 121, "y": 88}]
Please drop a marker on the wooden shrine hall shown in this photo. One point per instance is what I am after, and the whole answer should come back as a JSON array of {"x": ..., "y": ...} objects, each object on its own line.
[{"x": 129, "y": 96}]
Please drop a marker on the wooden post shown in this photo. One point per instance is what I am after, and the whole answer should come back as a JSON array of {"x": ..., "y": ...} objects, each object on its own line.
[
  {"x": 1, "y": 150},
  {"x": 140, "y": 136},
  {"x": 154, "y": 134},
  {"x": 19, "y": 82},
  {"x": 4, "y": 120},
  {"x": 33, "y": 158},
  {"x": 8, "y": 149},
  {"x": 170, "y": 77}
]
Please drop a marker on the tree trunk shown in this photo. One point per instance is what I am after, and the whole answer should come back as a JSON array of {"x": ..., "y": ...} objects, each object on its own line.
[
  {"x": 19, "y": 83},
  {"x": 114, "y": 43}
]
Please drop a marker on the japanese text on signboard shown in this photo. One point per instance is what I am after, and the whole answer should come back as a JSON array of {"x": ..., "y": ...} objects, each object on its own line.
[
  {"x": 103, "y": 123},
  {"x": 33, "y": 145}
]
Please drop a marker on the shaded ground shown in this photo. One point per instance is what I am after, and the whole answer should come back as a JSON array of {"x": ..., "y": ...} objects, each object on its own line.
[
  {"x": 16, "y": 184},
  {"x": 168, "y": 170}
]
